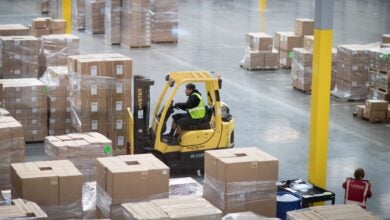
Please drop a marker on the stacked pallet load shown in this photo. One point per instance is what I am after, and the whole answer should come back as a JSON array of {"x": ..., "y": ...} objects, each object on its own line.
[
  {"x": 26, "y": 100},
  {"x": 57, "y": 81},
  {"x": 129, "y": 178},
  {"x": 14, "y": 30},
  {"x": 241, "y": 179},
  {"x": 56, "y": 186},
  {"x": 112, "y": 22},
  {"x": 94, "y": 16},
  {"x": 284, "y": 42},
  {"x": 340, "y": 211},
  {"x": 11, "y": 148},
  {"x": 100, "y": 88},
  {"x": 136, "y": 20},
  {"x": 47, "y": 25},
  {"x": 172, "y": 208},
  {"x": 301, "y": 69},
  {"x": 78, "y": 14},
  {"x": 19, "y": 57},
  {"x": 352, "y": 72},
  {"x": 374, "y": 111},
  {"x": 164, "y": 21},
  {"x": 379, "y": 74},
  {"x": 81, "y": 149},
  {"x": 259, "y": 53}
]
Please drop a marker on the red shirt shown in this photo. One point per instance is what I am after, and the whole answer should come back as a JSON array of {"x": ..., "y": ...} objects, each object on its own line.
[{"x": 357, "y": 191}]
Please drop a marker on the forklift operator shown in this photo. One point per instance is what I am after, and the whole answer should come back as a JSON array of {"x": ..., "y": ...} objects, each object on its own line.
[{"x": 195, "y": 110}]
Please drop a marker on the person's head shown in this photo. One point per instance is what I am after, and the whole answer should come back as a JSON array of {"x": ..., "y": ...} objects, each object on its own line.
[
  {"x": 190, "y": 87},
  {"x": 359, "y": 173}
]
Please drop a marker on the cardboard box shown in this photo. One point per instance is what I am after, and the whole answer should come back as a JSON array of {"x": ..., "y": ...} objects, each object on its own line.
[
  {"x": 55, "y": 24},
  {"x": 259, "y": 41},
  {"x": 377, "y": 105},
  {"x": 40, "y": 23},
  {"x": 289, "y": 40},
  {"x": 254, "y": 60},
  {"x": 271, "y": 59},
  {"x": 386, "y": 38},
  {"x": 285, "y": 60},
  {"x": 20, "y": 209},
  {"x": 41, "y": 32},
  {"x": 112, "y": 22},
  {"x": 94, "y": 16},
  {"x": 13, "y": 30},
  {"x": 304, "y": 26}
]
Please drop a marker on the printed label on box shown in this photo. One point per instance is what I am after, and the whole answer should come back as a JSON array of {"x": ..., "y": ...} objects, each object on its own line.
[
  {"x": 119, "y": 124},
  {"x": 16, "y": 42},
  {"x": 53, "y": 99},
  {"x": 354, "y": 68},
  {"x": 119, "y": 69},
  {"x": 93, "y": 70},
  {"x": 68, "y": 109},
  {"x": 94, "y": 125},
  {"x": 51, "y": 132},
  {"x": 93, "y": 89},
  {"x": 119, "y": 88},
  {"x": 94, "y": 107},
  {"x": 121, "y": 140},
  {"x": 34, "y": 110},
  {"x": 33, "y": 99},
  {"x": 67, "y": 121},
  {"x": 17, "y": 72},
  {"x": 52, "y": 121},
  {"x": 33, "y": 88},
  {"x": 18, "y": 89},
  {"x": 118, "y": 106},
  {"x": 18, "y": 111},
  {"x": 52, "y": 110},
  {"x": 18, "y": 100},
  {"x": 34, "y": 121},
  {"x": 17, "y": 57},
  {"x": 34, "y": 132}
]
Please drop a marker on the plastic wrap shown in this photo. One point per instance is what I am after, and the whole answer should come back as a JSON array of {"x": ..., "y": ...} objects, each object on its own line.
[
  {"x": 26, "y": 100},
  {"x": 165, "y": 19},
  {"x": 42, "y": 6},
  {"x": 58, "y": 47},
  {"x": 246, "y": 216},
  {"x": 78, "y": 14},
  {"x": 81, "y": 149},
  {"x": 89, "y": 200},
  {"x": 20, "y": 209},
  {"x": 112, "y": 22},
  {"x": 236, "y": 195},
  {"x": 301, "y": 69},
  {"x": 19, "y": 56},
  {"x": 94, "y": 16},
  {"x": 11, "y": 149},
  {"x": 136, "y": 18},
  {"x": 185, "y": 186}
]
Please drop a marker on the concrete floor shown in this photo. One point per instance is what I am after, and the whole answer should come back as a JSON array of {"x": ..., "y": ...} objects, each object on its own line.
[{"x": 269, "y": 114}]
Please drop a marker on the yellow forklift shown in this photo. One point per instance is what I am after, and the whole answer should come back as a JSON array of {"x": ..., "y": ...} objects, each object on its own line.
[{"x": 215, "y": 131}]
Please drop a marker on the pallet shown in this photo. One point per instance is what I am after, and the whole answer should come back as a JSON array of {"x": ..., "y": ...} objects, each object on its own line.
[
  {"x": 334, "y": 97},
  {"x": 165, "y": 42},
  {"x": 34, "y": 142},
  {"x": 135, "y": 47},
  {"x": 372, "y": 121},
  {"x": 302, "y": 91},
  {"x": 258, "y": 69},
  {"x": 109, "y": 43}
]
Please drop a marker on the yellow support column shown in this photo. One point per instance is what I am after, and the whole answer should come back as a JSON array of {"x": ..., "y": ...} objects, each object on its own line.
[
  {"x": 320, "y": 99},
  {"x": 67, "y": 14},
  {"x": 262, "y": 5}
]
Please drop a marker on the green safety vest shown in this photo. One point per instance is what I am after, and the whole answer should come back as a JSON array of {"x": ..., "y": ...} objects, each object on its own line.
[{"x": 199, "y": 111}]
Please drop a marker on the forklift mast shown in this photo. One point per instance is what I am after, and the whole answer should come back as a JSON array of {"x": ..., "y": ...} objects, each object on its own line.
[{"x": 141, "y": 113}]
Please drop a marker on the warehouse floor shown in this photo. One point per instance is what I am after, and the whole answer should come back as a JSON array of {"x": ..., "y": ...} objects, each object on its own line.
[{"x": 269, "y": 114}]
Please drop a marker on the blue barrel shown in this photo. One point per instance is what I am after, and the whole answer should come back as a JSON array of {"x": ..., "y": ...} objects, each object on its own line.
[{"x": 284, "y": 206}]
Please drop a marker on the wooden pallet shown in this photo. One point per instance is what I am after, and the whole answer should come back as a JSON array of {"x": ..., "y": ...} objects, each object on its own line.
[
  {"x": 165, "y": 42},
  {"x": 334, "y": 97},
  {"x": 35, "y": 142},
  {"x": 302, "y": 91},
  {"x": 135, "y": 47},
  {"x": 373, "y": 121},
  {"x": 259, "y": 69},
  {"x": 109, "y": 43}
]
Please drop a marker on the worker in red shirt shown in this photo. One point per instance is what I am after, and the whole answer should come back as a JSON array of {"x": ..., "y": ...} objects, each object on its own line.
[{"x": 357, "y": 190}]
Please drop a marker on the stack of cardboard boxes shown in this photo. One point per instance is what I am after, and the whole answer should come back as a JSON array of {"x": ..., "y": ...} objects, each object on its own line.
[
  {"x": 54, "y": 185},
  {"x": 94, "y": 16},
  {"x": 129, "y": 178},
  {"x": 173, "y": 208},
  {"x": 112, "y": 22},
  {"x": 11, "y": 149},
  {"x": 259, "y": 53},
  {"x": 164, "y": 21},
  {"x": 14, "y": 30},
  {"x": 56, "y": 48},
  {"x": 57, "y": 82},
  {"x": 241, "y": 179},
  {"x": 136, "y": 23},
  {"x": 374, "y": 110},
  {"x": 301, "y": 69},
  {"x": 46, "y": 25},
  {"x": 78, "y": 14},
  {"x": 344, "y": 211},
  {"x": 379, "y": 74},
  {"x": 26, "y": 100},
  {"x": 21, "y": 209},
  {"x": 352, "y": 73},
  {"x": 81, "y": 149},
  {"x": 385, "y": 41},
  {"x": 100, "y": 95},
  {"x": 19, "y": 57}
]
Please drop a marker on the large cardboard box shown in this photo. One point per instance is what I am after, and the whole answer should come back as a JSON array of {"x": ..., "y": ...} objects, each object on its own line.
[
  {"x": 128, "y": 178},
  {"x": 386, "y": 38},
  {"x": 236, "y": 179},
  {"x": 94, "y": 16},
  {"x": 21, "y": 209},
  {"x": 308, "y": 42},
  {"x": 78, "y": 14},
  {"x": 377, "y": 105},
  {"x": 54, "y": 185},
  {"x": 304, "y": 26},
  {"x": 180, "y": 208},
  {"x": 13, "y": 30},
  {"x": 259, "y": 41},
  {"x": 112, "y": 22}
]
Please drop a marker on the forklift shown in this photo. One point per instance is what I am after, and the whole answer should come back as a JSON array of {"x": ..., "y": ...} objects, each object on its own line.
[{"x": 214, "y": 131}]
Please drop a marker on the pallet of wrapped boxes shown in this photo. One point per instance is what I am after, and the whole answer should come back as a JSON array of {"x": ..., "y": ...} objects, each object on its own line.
[
  {"x": 19, "y": 57},
  {"x": 135, "y": 23},
  {"x": 56, "y": 186},
  {"x": 78, "y": 14},
  {"x": 94, "y": 16},
  {"x": 259, "y": 54},
  {"x": 81, "y": 149},
  {"x": 164, "y": 25},
  {"x": 11, "y": 149},
  {"x": 14, "y": 30},
  {"x": 186, "y": 207},
  {"x": 344, "y": 211},
  {"x": 284, "y": 42},
  {"x": 385, "y": 41},
  {"x": 112, "y": 22},
  {"x": 129, "y": 178},
  {"x": 21, "y": 209},
  {"x": 374, "y": 111},
  {"x": 26, "y": 100},
  {"x": 46, "y": 25},
  {"x": 241, "y": 179},
  {"x": 379, "y": 73}
]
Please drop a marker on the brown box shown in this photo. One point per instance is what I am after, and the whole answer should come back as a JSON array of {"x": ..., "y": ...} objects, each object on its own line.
[
  {"x": 13, "y": 30},
  {"x": 19, "y": 209},
  {"x": 254, "y": 60},
  {"x": 94, "y": 16},
  {"x": 40, "y": 23},
  {"x": 386, "y": 38},
  {"x": 288, "y": 41},
  {"x": 41, "y": 32},
  {"x": 304, "y": 26},
  {"x": 271, "y": 59},
  {"x": 285, "y": 60},
  {"x": 377, "y": 105},
  {"x": 57, "y": 24},
  {"x": 259, "y": 41}
]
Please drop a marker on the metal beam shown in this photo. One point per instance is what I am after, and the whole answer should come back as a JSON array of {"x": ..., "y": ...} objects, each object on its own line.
[
  {"x": 320, "y": 99},
  {"x": 67, "y": 14}
]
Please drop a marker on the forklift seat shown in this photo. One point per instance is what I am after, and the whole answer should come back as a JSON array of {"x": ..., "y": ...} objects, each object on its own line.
[{"x": 200, "y": 124}]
